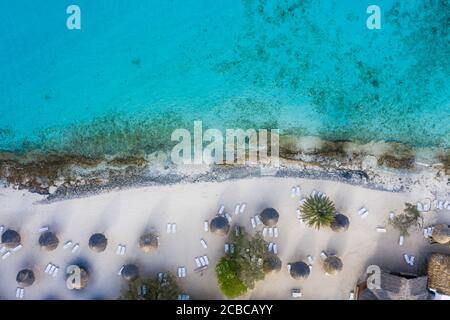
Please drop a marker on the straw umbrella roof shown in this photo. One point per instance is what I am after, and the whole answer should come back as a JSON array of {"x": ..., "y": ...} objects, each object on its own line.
[
  {"x": 81, "y": 282},
  {"x": 25, "y": 278},
  {"x": 396, "y": 287},
  {"x": 439, "y": 273},
  {"x": 219, "y": 225},
  {"x": 10, "y": 238},
  {"x": 272, "y": 263},
  {"x": 49, "y": 241},
  {"x": 441, "y": 233},
  {"x": 299, "y": 270},
  {"x": 332, "y": 265},
  {"x": 130, "y": 272},
  {"x": 98, "y": 242},
  {"x": 148, "y": 242},
  {"x": 340, "y": 223},
  {"x": 269, "y": 217}
]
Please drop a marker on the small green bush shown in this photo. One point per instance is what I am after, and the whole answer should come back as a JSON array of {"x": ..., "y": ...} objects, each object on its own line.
[{"x": 227, "y": 271}]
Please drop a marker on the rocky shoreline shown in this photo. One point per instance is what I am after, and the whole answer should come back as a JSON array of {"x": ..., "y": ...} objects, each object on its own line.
[{"x": 389, "y": 167}]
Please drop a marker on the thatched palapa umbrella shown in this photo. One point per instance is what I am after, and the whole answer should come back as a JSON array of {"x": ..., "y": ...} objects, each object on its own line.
[
  {"x": 272, "y": 263},
  {"x": 49, "y": 241},
  {"x": 98, "y": 242},
  {"x": 441, "y": 233},
  {"x": 130, "y": 272},
  {"x": 219, "y": 225},
  {"x": 269, "y": 217},
  {"x": 332, "y": 265},
  {"x": 148, "y": 242},
  {"x": 340, "y": 223},
  {"x": 10, "y": 238},
  {"x": 79, "y": 277},
  {"x": 299, "y": 270},
  {"x": 25, "y": 278}
]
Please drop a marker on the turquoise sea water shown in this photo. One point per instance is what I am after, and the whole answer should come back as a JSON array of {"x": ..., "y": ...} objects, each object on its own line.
[{"x": 139, "y": 69}]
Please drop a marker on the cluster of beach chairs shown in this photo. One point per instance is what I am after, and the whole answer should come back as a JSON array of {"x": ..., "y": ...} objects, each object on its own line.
[
  {"x": 51, "y": 270},
  {"x": 181, "y": 272},
  {"x": 270, "y": 232},
  {"x": 427, "y": 205}
]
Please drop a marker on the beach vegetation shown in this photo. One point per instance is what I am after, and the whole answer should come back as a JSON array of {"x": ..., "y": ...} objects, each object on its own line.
[
  {"x": 242, "y": 267},
  {"x": 410, "y": 217},
  {"x": 318, "y": 211},
  {"x": 168, "y": 289}
]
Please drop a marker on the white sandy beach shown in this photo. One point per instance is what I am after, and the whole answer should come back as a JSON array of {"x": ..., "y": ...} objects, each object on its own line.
[{"x": 124, "y": 215}]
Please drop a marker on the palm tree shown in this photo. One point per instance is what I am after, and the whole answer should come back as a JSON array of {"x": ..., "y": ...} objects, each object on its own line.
[{"x": 318, "y": 211}]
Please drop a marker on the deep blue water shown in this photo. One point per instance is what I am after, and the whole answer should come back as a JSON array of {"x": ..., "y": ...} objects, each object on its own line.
[{"x": 139, "y": 69}]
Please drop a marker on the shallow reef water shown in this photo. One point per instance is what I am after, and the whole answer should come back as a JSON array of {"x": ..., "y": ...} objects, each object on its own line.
[{"x": 138, "y": 70}]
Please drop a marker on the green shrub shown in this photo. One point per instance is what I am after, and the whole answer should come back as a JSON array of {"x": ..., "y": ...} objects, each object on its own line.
[
  {"x": 227, "y": 271},
  {"x": 409, "y": 218}
]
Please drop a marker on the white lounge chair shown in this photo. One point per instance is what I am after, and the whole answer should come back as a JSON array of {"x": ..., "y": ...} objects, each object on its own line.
[
  {"x": 119, "y": 250},
  {"x": 253, "y": 222},
  {"x": 258, "y": 220},
  {"x": 242, "y": 209},
  {"x": 231, "y": 248},
  {"x": 206, "y": 260},
  {"x": 18, "y": 248},
  {"x": 401, "y": 240},
  {"x": 202, "y": 261},
  {"x": 55, "y": 272},
  {"x": 75, "y": 248},
  {"x": 391, "y": 216},
  {"x": 183, "y": 272},
  {"x": 197, "y": 262},
  {"x": 297, "y": 191},
  {"x": 2, "y": 228},
  {"x": 227, "y": 248},
  {"x": 48, "y": 267},
  {"x": 296, "y": 293},
  {"x": 323, "y": 255},
  {"x": 289, "y": 267},
  {"x": 6, "y": 255},
  {"x": 313, "y": 193},
  {"x": 381, "y": 229},
  {"x": 275, "y": 232},
  {"x": 221, "y": 209},
  {"x": 204, "y": 244},
  {"x": 275, "y": 248},
  {"x": 67, "y": 245},
  {"x": 179, "y": 272},
  {"x": 446, "y": 204},
  {"x": 43, "y": 229},
  {"x": 2, "y": 250},
  {"x": 236, "y": 209},
  {"x": 270, "y": 247},
  {"x": 419, "y": 206},
  {"x": 411, "y": 260},
  {"x": 123, "y": 250},
  {"x": 361, "y": 211},
  {"x": 365, "y": 214},
  {"x": 52, "y": 269},
  {"x": 228, "y": 217},
  {"x": 293, "y": 192},
  {"x": 264, "y": 232},
  {"x": 351, "y": 296},
  {"x": 206, "y": 225},
  {"x": 120, "y": 271},
  {"x": 310, "y": 259},
  {"x": 174, "y": 228},
  {"x": 169, "y": 228},
  {"x": 406, "y": 257},
  {"x": 271, "y": 232}
]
